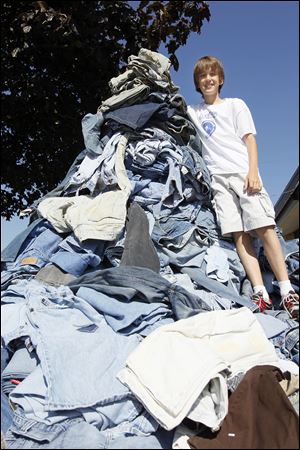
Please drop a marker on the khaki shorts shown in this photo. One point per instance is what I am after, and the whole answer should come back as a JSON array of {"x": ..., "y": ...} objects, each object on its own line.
[{"x": 236, "y": 210}]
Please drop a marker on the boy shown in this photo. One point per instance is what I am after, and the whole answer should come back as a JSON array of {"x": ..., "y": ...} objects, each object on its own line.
[{"x": 240, "y": 201}]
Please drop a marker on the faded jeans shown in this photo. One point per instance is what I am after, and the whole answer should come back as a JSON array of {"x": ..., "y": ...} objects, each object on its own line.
[
  {"x": 102, "y": 217},
  {"x": 82, "y": 329},
  {"x": 143, "y": 432}
]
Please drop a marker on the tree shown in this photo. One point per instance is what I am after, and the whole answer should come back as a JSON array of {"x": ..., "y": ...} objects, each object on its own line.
[{"x": 57, "y": 59}]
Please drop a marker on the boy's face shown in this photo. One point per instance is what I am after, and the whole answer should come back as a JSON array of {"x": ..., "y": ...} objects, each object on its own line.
[{"x": 209, "y": 82}]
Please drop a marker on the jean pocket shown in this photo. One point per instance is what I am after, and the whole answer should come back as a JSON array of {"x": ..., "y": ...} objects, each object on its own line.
[{"x": 267, "y": 205}]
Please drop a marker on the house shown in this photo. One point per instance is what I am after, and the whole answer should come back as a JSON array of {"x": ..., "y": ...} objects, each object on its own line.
[{"x": 287, "y": 208}]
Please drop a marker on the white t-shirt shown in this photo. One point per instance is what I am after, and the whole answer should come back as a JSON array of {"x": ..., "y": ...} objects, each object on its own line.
[{"x": 221, "y": 128}]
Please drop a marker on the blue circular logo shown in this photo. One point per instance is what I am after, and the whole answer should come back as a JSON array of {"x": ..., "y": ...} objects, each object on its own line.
[{"x": 209, "y": 126}]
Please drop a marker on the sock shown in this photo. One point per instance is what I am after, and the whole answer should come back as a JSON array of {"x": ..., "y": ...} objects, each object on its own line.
[
  {"x": 264, "y": 291},
  {"x": 285, "y": 287}
]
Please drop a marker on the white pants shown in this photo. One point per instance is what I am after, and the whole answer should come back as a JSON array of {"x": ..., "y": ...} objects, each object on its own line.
[{"x": 171, "y": 369}]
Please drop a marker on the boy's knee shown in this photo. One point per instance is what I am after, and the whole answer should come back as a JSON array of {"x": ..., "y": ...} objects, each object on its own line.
[
  {"x": 238, "y": 236},
  {"x": 264, "y": 231}
]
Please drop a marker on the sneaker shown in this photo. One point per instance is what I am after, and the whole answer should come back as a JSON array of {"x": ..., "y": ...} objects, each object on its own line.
[
  {"x": 290, "y": 302},
  {"x": 261, "y": 302}
]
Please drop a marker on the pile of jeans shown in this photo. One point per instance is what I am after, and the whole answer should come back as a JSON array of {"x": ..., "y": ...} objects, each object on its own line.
[{"x": 126, "y": 243}]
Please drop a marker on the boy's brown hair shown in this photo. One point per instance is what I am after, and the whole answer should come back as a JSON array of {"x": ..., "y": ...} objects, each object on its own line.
[{"x": 203, "y": 65}]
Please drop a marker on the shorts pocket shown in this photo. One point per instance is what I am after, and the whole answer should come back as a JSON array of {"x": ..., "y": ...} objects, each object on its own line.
[{"x": 267, "y": 204}]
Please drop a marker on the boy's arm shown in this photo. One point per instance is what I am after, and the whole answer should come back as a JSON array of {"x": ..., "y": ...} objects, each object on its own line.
[{"x": 252, "y": 180}]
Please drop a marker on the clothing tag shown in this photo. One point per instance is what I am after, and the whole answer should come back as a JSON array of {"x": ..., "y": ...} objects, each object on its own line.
[
  {"x": 184, "y": 170},
  {"x": 29, "y": 260},
  {"x": 46, "y": 302},
  {"x": 12, "y": 404},
  {"x": 28, "y": 344},
  {"x": 25, "y": 212}
]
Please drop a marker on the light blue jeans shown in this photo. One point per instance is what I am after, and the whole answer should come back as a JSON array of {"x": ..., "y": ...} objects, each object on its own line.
[
  {"x": 91, "y": 130},
  {"x": 34, "y": 252},
  {"x": 11, "y": 251},
  {"x": 128, "y": 318},
  {"x": 143, "y": 432},
  {"x": 19, "y": 367},
  {"x": 74, "y": 257},
  {"x": 71, "y": 433},
  {"x": 218, "y": 288},
  {"x": 72, "y": 338},
  {"x": 6, "y": 410}
]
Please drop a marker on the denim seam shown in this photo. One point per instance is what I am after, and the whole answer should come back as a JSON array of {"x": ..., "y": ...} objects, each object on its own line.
[{"x": 107, "y": 401}]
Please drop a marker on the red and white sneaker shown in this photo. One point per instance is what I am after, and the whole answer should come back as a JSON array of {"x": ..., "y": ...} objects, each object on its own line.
[
  {"x": 261, "y": 302},
  {"x": 290, "y": 302}
]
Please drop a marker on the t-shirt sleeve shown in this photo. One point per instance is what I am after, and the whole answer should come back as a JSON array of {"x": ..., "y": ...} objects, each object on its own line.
[{"x": 243, "y": 119}]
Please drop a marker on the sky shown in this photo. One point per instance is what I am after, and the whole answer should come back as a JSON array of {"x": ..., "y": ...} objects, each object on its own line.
[{"x": 257, "y": 42}]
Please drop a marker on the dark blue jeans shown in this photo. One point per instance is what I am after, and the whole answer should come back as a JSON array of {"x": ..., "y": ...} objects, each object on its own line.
[{"x": 127, "y": 282}]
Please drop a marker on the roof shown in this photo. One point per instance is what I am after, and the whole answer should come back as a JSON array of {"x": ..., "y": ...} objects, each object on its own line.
[{"x": 289, "y": 194}]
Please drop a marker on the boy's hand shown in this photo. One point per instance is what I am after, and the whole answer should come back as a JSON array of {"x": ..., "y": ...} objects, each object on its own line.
[{"x": 252, "y": 182}]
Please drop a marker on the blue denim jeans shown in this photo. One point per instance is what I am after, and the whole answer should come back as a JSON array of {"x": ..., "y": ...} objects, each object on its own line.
[
  {"x": 72, "y": 433},
  {"x": 172, "y": 195},
  {"x": 135, "y": 116},
  {"x": 74, "y": 257},
  {"x": 206, "y": 220},
  {"x": 143, "y": 432},
  {"x": 150, "y": 194},
  {"x": 287, "y": 342},
  {"x": 128, "y": 318},
  {"x": 191, "y": 254},
  {"x": 138, "y": 183},
  {"x": 91, "y": 130},
  {"x": 154, "y": 172},
  {"x": 171, "y": 231},
  {"x": 103, "y": 164},
  {"x": 21, "y": 364},
  {"x": 271, "y": 325},
  {"x": 34, "y": 253},
  {"x": 193, "y": 161},
  {"x": 52, "y": 316},
  {"x": 127, "y": 282},
  {"x": 218, "y": 288},
  {"x": 114, "y": 250},
  {"x": 6, "y": 410},
  {"x": 12, "y": 250},
  {"x": 129, "y": 436}
]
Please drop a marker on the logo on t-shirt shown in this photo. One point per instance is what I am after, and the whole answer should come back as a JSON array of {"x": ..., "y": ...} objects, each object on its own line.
[{"x": 209, "y": 126}]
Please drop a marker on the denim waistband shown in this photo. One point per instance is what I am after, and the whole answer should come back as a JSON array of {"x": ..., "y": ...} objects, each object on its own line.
[{"x": 37, "y": 430}]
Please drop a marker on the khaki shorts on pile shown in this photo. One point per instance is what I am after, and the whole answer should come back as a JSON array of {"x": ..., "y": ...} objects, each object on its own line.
[{"x": 236, "y": 210}]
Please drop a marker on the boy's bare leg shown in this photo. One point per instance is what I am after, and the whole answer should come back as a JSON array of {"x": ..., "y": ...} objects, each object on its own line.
[
  {"x": 246, "y": 252},
  {"x": 273, "y": 252}
]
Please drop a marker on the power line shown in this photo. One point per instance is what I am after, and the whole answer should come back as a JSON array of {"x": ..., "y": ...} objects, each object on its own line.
[{"x": 284, "y": 192}]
